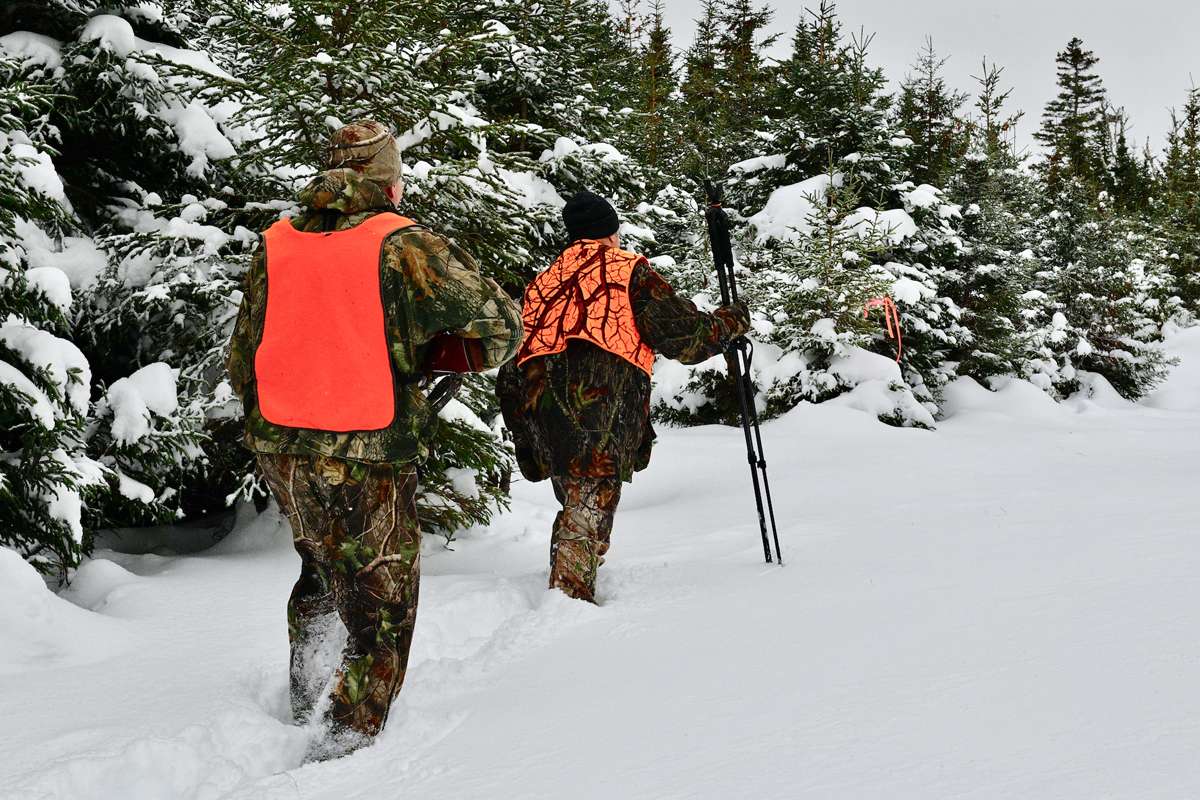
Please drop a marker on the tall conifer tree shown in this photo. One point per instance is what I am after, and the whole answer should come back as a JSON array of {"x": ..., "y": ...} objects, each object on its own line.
[
  {"x": 1130, "y": 175},
  {"x": 656, "y": 137},
  {"x": 741, "y": 44},
  {"x": 998, "y": 199},
  {"x": 1075, "y": 123},
  {"x": 703, "y": 95},
  {"x": 1181, "y": 197},
  {"x": 929, "y": 114}
]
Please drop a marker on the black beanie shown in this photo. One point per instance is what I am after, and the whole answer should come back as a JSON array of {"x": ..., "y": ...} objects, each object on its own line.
[{"x": 590, "y": 216}]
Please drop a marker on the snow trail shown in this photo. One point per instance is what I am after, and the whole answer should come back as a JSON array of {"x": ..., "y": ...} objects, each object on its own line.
[{"x": 1000, "y": 608}]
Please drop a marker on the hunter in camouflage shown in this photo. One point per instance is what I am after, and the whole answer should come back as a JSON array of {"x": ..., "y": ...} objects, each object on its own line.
[
  {"x": 581, "y": 417},
  {"x": 350, "y": 496}
]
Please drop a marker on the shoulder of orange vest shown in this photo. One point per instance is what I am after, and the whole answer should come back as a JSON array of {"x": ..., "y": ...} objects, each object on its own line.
[
  {"x": 635, "y": 260},
  {"x": 626, "y": 254}
]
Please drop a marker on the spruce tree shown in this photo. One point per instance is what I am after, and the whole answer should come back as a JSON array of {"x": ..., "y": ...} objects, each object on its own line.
[
  {"x": 1130, "y": 177},
  {"x": 631, "y": 24},
  {"x": 1180, "y": 193},
  {"x": 703, "y": 97},
  {"x": 816, "y": 284},
  {"x": 928, "y": 112},
  {"x": 999, "y": 199},
  {"x": 725, "y": 108},
  {"x": 45, "y": 382},
  {"x": 656, "y": 140},
  {"x": 150, "y": 323},
  {"x": 741, "y": 42},
  {"x": 1075, "y": 123},
  {"x": 501, "y": 115},
  {"x": 574, "y": 97},
  {"x": 1104, "y": 289},
  {"x": 122, "y": 134},
  {"x": 1104, "y": 295},
  {"x": 832, "y": 110},
  {"x": 837, "y": 116}
]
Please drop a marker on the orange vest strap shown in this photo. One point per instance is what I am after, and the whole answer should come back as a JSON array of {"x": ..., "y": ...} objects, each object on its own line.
[{"x": 324, "y": 361}]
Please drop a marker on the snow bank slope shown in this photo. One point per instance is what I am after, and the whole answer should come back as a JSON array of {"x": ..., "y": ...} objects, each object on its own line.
[
  {"x": 1001, "y": 608},
  {"x": 40, "y": 631},
  {"x": 1181, "y": 391}
]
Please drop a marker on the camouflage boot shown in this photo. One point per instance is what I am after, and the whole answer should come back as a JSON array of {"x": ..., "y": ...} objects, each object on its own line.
[{"x": 581, "y": 533}]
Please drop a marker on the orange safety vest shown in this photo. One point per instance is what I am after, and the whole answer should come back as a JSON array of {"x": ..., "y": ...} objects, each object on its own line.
[
  {"x": 585, "y": 295},
  {"x": 324, "y": 361}
]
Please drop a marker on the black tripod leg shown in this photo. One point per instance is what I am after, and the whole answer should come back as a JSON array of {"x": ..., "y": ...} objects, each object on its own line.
[
  {"x": 746, "y": 400},
  {"x": 762, "y": 467}
]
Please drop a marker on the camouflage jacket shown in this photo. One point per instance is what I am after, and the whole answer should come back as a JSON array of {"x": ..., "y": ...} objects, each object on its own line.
[
  {"x": 429, "y": 286},
  {"x": 586, "y": 412}
]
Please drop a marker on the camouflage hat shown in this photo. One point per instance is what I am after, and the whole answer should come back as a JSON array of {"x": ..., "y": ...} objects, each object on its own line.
[{"x": 367, "y": 147}]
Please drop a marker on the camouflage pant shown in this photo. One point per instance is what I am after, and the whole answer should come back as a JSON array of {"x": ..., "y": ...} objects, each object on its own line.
[
  {"x": 581, "y": 532},
  {"x": 355, "y": 527}
]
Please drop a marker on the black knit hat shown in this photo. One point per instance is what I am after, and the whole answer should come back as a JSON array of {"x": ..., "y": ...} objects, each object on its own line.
[{"x": 590, "y": 216}]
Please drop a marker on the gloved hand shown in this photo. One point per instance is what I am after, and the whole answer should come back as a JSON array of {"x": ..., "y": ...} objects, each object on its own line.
[
  {"x": 739, "y": 313},
  {"x": 735, "y": 318}
]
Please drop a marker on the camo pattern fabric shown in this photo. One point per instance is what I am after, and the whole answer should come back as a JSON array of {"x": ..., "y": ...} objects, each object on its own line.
[
  {"x": 581, "y": 533},
  {"x": 355, "y": 528},
  {"x": 429, "y": 286},
  {"x": 585, "y": 412}
]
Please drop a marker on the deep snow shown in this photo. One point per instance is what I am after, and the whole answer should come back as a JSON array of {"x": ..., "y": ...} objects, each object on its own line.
[{"x": 1005, "y": 607}]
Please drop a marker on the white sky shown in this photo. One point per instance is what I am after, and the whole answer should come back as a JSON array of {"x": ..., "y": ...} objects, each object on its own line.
[{"x": 1149, "y": 50}]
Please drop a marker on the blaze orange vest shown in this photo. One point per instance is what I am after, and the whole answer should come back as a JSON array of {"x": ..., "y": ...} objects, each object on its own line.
[
  {"x": 324, "y": 361},
  {"x": 585, "y": 295}
]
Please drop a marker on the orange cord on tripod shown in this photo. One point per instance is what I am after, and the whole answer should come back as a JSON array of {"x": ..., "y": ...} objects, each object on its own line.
[{"x": 891, "y": 317}]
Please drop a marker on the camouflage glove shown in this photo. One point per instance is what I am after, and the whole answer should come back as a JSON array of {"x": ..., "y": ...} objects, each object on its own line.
[{"x": 735, "y": 318}]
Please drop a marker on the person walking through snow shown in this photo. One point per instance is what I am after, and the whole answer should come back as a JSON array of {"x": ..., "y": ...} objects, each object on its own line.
[
  {"x": 342, "y": 307},
  {"x": 577, "y": 397}
]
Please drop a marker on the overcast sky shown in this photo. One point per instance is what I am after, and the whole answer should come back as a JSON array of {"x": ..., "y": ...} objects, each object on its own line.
[{"x": 1149, "y": 50}]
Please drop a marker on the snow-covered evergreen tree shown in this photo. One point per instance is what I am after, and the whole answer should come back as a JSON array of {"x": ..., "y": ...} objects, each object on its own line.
[
  {"x": 1180, "y": 204},
  {"x": 700, "y": 91},
  {"x": 653, "y": 135},
  {"x": 831, "y": 113},
  {"x": 928, "y": 111},
  {"x": 1075, "y": 123},
  {"x": 557, "y": 106},
  {"x": 1130, "y": 175},
  {"x": 142, "y": 444},
  {"x": 725, "y": 71},
  {"x": 742, "y": 42},
  {"x": 45, "y": 381},
  {"x": 152, "y": 322},
  {"x": 1105, "y": 285},
  {"x": 1104, "y": 291},
  {"x": 998, "y": 198}
]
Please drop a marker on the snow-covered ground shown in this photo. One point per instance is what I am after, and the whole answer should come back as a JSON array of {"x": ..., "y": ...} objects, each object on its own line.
[{"x": 1003, "y": 608}]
